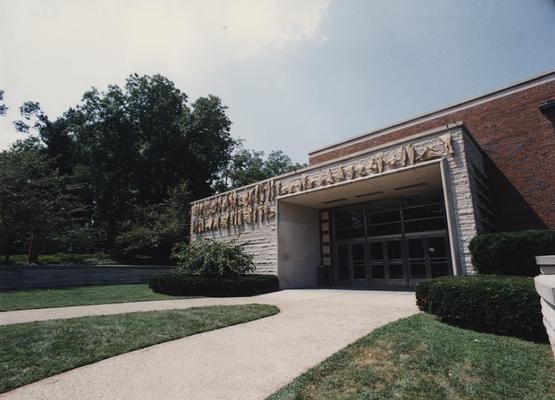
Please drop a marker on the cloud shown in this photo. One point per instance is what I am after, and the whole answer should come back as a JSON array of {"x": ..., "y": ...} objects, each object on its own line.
[{"x": 52, "y": 51}]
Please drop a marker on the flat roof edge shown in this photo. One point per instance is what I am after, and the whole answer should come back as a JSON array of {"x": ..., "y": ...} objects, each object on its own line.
[
  {"x": 415, "y": 119},
  {"x": 427, "y": 132}
]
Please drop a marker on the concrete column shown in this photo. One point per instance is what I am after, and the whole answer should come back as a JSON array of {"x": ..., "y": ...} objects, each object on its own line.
[{"x": 545, "y": 286}]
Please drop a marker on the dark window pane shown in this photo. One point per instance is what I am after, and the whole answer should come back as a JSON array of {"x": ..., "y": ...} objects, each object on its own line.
[
  {"x": 376, "y": 251},
  {"x": 378, "y": 272},
  {"x": 423, "y": 198},
  {"x": 343, "y": 252},
  {"x": 416, "y": 248},
  {"x": 418, "y": 270},
  {"x": 440, "y": 269},
  {"x": 379, "y": 206},
  {"x": 437, "y": 247},
  {"x": 394, "y": 249},
  {"x": 384, "y": 229},
  {"x": 344, "y": 270},
  {"x": 348, "y": 217},
  {"x": 396, "y": 271},
  {"x": 428, "y": 211},
  {"x": 385, "y": 216},
  {"x": 349, "y": 233},
  {"x": 433, "y": 224},
  {"x": 359, "y": 270},
  {"x": 358, "y": 251}
]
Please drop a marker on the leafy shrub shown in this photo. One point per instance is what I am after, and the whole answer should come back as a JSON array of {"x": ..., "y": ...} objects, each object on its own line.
[
  {"x": 504, "y": 305},
  {"x": 180, "y": 284},
  {"x": 511, "y": 253},
  {"x": 211, "y": 258}
]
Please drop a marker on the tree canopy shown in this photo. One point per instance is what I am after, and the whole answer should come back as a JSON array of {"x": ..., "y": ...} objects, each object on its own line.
[
  {"x": 249, "y": 166},
  {"x": 131, "y": 158}
]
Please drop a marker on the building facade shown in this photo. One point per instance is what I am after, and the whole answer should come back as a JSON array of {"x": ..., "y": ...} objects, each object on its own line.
[{"x": 397, "y": 205}]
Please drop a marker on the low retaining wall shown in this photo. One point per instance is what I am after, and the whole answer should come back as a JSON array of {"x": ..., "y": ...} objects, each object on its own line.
[
  {"x": 52, "y": 276},
  {"x": 545, "y": 286}
]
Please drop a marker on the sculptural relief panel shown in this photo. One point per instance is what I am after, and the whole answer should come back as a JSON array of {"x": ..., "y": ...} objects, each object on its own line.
[{"x": 257, "y": 204}]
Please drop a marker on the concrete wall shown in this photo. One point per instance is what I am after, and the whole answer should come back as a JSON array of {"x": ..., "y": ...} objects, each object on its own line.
[
  {"x": 545, "y": 286},
  {"x": 298, "y": 245},
  {"x": 52, "y": 276}
]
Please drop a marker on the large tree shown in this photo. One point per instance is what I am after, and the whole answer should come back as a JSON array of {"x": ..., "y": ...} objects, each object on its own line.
[
  {"x": 139, "y": 141},
  {"x": 34, "y": 201},
  {"x": 249, "y": 166}
]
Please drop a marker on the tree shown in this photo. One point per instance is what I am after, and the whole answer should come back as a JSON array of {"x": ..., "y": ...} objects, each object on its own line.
[
  {"x": 52, "y": 137},
  {"x": 156, "y": 229},
  {"x": 249, "y": 166},
  {"x": 3, "y": 107},
  {"x": 140, "y": 141},
  {"x": 33, "y": 201}
]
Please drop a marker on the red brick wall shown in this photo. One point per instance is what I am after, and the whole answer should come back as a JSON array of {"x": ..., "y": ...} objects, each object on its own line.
[{"x": 519, "y": 145}]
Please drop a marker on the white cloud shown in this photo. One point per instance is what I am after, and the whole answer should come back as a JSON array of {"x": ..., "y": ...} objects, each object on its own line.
[{"x": 52, "y": 51}]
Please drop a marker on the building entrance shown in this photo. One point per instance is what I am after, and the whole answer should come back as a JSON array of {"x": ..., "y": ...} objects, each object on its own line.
[{"x": 391, "y": 242}]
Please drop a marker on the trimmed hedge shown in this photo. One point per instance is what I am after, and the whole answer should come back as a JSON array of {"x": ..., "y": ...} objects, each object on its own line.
[
  {"x": 504, "y": 305},
  {"x": 180, "y": 284},
  {"x": 511, "y": 253}
]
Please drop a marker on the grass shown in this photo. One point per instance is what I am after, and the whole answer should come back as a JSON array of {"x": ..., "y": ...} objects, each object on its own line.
[
  {"x": 77, "y": 296},
  {"x": 33, "y": 351},
  {"x": 421, "y": 358}
]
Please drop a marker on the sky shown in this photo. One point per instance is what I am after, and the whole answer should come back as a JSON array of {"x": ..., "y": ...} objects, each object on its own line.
[{"x": 296, "y": 75}]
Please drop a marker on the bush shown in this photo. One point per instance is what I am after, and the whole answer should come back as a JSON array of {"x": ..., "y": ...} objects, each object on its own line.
[
  {"x": 511, "y": 253},
  {"x": 180, "y": 284},
  {"x": 504, "y": 305},
  {"x": 211, "y": 258}
]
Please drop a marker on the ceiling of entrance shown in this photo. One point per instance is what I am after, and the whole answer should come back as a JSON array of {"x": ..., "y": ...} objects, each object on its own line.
[{"x": 398, "y": 184}]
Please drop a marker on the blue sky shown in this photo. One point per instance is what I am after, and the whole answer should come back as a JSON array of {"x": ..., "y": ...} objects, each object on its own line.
[{"x": 296, "y": 75}]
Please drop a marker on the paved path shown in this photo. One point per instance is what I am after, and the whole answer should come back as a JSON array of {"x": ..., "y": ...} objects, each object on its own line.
[{"x": 247, "y": 361}]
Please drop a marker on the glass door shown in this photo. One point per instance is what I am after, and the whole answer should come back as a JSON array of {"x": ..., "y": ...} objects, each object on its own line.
[
  {"x": 386, "y": 262},
  {"x": 358, "y": 263},
  {"x": 427, "y": 257},
  {"x": 351, "y": 262}
]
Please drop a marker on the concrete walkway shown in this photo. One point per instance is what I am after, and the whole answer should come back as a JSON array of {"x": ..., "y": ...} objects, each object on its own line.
[{"x": 247, "y": 361}]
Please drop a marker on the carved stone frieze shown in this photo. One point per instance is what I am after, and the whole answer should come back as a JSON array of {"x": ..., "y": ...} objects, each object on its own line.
[{"x": 257, "y": 204}]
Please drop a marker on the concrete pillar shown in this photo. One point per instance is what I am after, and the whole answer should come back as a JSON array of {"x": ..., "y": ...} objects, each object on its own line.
[{"x": 545, "y": 286}]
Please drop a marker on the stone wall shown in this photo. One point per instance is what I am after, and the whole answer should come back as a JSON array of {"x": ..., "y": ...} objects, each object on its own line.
[
  {"x": 259, "y": 239},
  {"x": 53, "y": 276},
  {"x": 461, "y": 195},
  {"x": 545, "y": 286}
]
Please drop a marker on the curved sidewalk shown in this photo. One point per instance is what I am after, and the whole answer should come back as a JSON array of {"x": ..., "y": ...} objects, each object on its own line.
[{"x": 246, "y": 361}]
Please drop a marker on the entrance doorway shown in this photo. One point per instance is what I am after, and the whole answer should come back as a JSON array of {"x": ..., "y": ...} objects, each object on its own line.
[{"x": 391, "y": 242}]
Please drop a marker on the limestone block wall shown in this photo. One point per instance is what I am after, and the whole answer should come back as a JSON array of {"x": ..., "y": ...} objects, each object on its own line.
[
  {"x": 545, "y": 286},
  {"x": 260, "y": 241},
  {"x": 459, "y": 191}
]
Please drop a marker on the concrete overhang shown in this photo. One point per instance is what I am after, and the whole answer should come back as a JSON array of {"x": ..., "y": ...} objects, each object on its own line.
[{"x": 396, "y": 183}]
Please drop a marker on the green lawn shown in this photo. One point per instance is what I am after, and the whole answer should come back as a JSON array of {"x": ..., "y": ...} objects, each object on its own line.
[
  {"x": 33, "y": 351},
  {"x": 77, "y": 296},
  {"x": 421, "y": 358}
]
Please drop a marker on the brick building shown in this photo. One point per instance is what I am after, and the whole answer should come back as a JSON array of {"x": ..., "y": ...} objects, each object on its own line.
[{"x": 401, "y": 204}]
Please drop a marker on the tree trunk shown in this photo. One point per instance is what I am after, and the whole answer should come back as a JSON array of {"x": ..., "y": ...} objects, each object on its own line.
[{"x": 33, "y": 254}]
